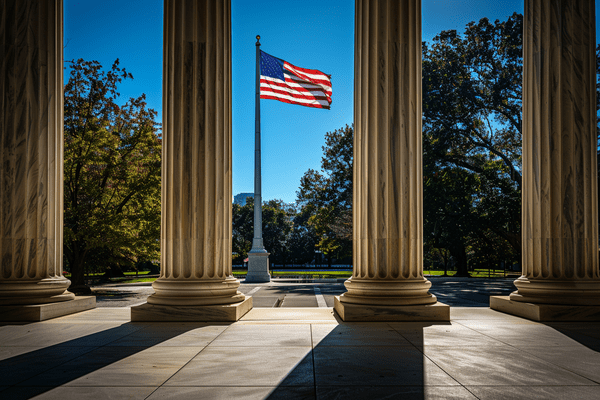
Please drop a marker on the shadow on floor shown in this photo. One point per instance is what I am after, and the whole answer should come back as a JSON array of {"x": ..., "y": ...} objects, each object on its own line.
[
  {"x": 32, "y": 373},
  {"x": 364, "y": 361}
]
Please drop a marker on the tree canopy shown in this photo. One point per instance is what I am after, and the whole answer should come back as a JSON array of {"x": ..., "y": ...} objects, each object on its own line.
[
  {"x": 472, "y": 141},
  {"x": 325, "y": 197},
  {"x": 112, "y": 159}
]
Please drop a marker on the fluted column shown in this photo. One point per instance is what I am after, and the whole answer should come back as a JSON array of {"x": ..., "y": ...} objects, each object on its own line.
[
  {"x": 31, "y": 153},
  {"x": 560, "y": 216},
  {"x": 196, "y": 166},
  {"x": 388, "y": 190}
]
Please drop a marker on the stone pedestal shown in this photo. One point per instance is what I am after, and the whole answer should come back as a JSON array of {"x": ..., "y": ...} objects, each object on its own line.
[
  {"x": 223, "y": 313},
  {"x": 349, "y": 312},
  {"x": 387, "y": 203},
  {"x": 545, "y": 312},
  {"x": 42, "y": 312},
  {"x": 31, "y": 156},
  {"x": 560, "y": 199},
  {"x": 196, "y": 276},
  {"x": 258, "y": 268}
]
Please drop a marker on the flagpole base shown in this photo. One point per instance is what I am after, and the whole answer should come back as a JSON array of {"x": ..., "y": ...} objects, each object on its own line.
[{"x": 258, "y": 268}]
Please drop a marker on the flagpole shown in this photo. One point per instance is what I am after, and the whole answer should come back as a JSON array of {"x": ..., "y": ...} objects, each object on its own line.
[
  {"x": 257, "y": 243},
  {"x": 258, "y": 262}
]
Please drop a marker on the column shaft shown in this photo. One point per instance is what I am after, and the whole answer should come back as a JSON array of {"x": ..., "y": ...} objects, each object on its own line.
[
  {"x": 388, "y": 204},
  {"x": 31, "y": 152},
  {"x": 560, "y": 208},
  {"x": 196, "y": 166}
]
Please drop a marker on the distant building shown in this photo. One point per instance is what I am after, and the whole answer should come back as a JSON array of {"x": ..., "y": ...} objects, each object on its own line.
[{"x": 240, "y": 199}]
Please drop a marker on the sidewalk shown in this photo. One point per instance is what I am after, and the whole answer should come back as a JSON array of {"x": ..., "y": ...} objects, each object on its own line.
[{"x": 456, "y": 292}]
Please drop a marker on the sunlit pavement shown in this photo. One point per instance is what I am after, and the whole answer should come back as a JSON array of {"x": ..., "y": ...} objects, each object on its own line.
[
  {"x": 303, "y": 353},
  {"x": 462, "y": 292}
]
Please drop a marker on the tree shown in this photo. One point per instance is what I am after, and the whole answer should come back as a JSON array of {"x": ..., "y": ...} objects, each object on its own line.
[
  {"x": 112, "y": 162},
  {"x": 327, "y": 196},
  {"x": 472, "y": 131},
  {"x": 277, "y": 225},
  {"x": 303, "y": 239}
]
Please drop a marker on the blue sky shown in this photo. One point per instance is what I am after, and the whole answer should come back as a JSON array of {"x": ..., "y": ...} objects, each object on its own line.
[{"x": 315, "y": 34}]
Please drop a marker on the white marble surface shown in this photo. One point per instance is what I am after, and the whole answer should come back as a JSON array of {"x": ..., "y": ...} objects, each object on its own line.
[
  {"x": 31, "y": 151},
  {"x": 560, "y": 199},
  {"x": 196, "y": 157},
  {"x": 388, "y": 211}
]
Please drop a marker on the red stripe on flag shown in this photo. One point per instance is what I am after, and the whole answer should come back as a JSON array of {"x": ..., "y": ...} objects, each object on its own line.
[
  {"x": 271, "y": 85},
  {"x": 310, "y": 87},
  {"x": 314, "y": 105}
]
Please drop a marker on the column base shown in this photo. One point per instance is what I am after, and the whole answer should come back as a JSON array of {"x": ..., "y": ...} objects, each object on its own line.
[
  {"x": 555, "y": 291},
  {"x": 397, "y": 292},
  {"x": 545, "y": 312},
  {"x": 195, "y": 292},
  {"x": 349, "y": 312},
  {"x": 42, "y": 312},
  {"x": 35, "y": 291},
  {"x": 258, "y": 268},
  {"x": 211, "y": 313}
]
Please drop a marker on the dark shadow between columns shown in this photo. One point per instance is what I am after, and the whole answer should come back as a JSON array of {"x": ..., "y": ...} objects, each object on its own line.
[
  {"x": 364, "y": 361},
  {"x": 36, "y": 372}
]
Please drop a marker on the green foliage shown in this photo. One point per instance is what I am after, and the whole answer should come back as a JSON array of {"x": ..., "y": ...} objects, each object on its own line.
[
  {"x": 326, "y": 197},
  {"x": 472, "y": 142},
  {"x": 277, "y": 226},
  {"x": 112, "y": 159}
]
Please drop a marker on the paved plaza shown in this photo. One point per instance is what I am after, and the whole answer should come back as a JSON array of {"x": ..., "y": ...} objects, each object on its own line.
[
  {"x": 463, "y": 292},
  {"x": 292, "y": 346}
]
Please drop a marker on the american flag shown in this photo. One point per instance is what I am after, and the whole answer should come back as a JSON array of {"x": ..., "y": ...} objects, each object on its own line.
[{"x": 280, "y": 80}]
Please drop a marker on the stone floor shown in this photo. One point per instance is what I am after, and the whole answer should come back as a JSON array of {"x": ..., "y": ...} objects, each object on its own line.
[{"x": 303, "y": 353}]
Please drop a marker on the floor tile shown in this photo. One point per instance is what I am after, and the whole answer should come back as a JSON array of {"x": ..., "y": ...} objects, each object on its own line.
[
  {"x": 428, "y": 334},
  {"x": 355, "y": 334},
  {"x": 22, "y": 365},
  {"x": 10, "y": 352},
  {"x": 394, "y": 392},
  {"x": 51, "y": 334},
  {"x": 265, "y": 335},
  {"x": 290, "y": 314},
  {"x": 79, "y": 393},
  {"x": 175, "y": 335},
  {"x": 535, "y": 392},
  {"x": 480, "y": 313},
  {"x": 585, "y": 333},
  {"x": 250, "y": 366},
  {"x": 96, "y": 315},
  {"x": 376, "y": 366},
  {"x": 499, "y": 365},
  {"x": 577, "y": 359},
  {"x": 119, "y": 366},
  {"x": 523, "y": 336},
  {"x": 237, "y": 393}
]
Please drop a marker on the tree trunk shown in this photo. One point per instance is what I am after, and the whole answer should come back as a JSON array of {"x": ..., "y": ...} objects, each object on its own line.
[
  {"x": 76, "y": 259},
  {"x": 460, "y": 255}
]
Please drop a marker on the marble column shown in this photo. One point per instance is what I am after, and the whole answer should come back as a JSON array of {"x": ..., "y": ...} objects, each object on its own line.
[
  {"x": 196, "y": 277},
  {"x": 560, "y": 199},
  {"x": 388, "y": 186},
  {"x": 31, "y": 153}
]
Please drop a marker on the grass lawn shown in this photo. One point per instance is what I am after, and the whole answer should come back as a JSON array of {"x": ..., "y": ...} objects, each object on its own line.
[
  {"x": 478, "y": 273},
  {"x": 131, "y": 278},
  {"x": 99, "y": 274}
]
